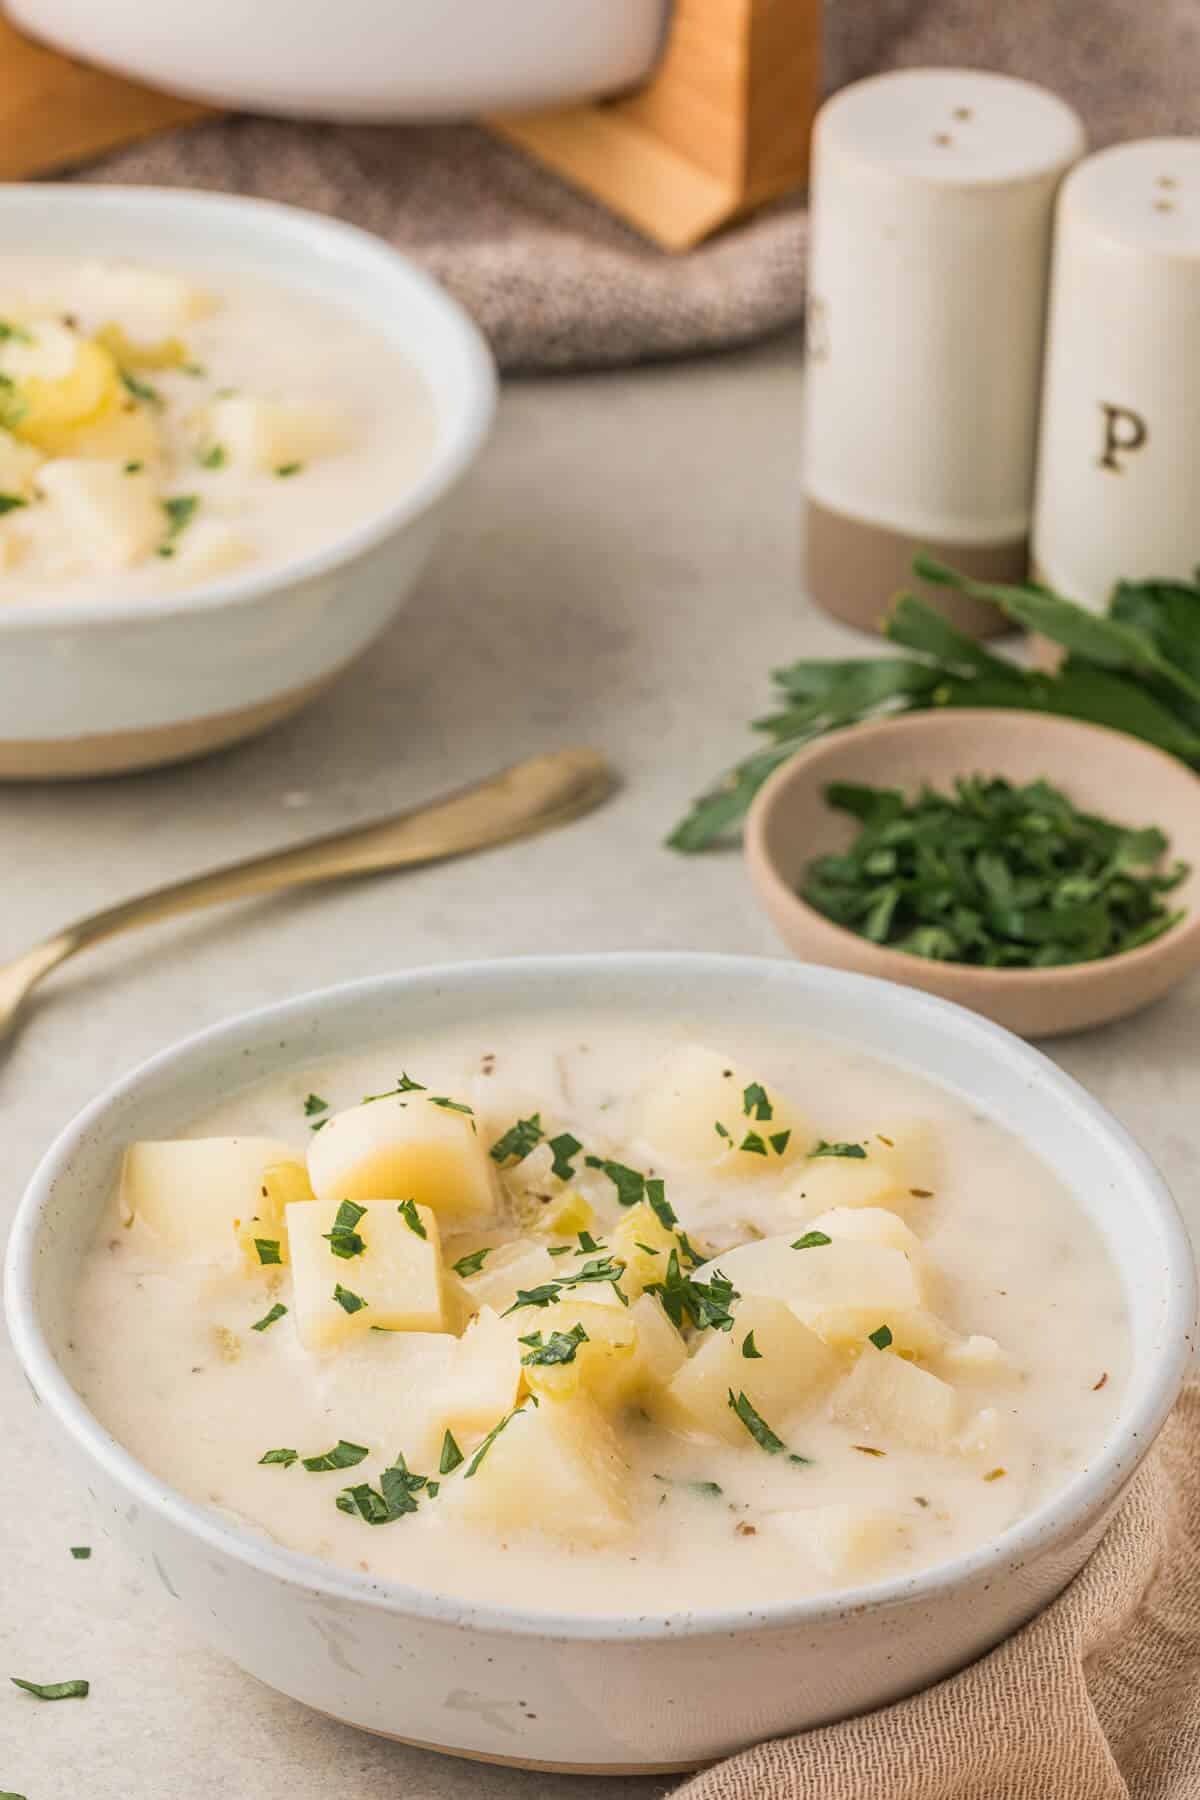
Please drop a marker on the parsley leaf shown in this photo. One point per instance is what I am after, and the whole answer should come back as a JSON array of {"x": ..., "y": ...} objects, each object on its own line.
[
  {"x": 10, "y": 503},
  {"x": 756, "y": 1102},
  {"x": 81, "y": 1552},
  {"x": 344, "y": 1240},
  {"x": 882, "y": 1337},
  {"x": 140, "y": 390},
  {"x": 779, "y": 1141},
  {"x": 314, "y": 1104},
  {"x": 755, "y": 1424},
  {"x": 268, "y": 1250},
  {"x": 630, "y": 1185},
  {"x": 269, "y": 1318},
  {"x": 342, "y": 1456},
  {"x": 564, "y": 1147},
  {"x": 710, "y": 1489},
  {"x": 560, "y": 1347},
  {"x": 489, "y": 1440},
  {"x": 750, "y": 1349},
  {"x": 812, "y": 1240},
  {"x": 53, "y": 1690},
  {"x": 451, "y": 1455},
  {"x": 285, "y": 1458},
  {"x": 213, "y": 458},
  {"x": 703, "y": 1304},
  {"x": 855, "y": 1152},
  {"x": 289, "y": 468},
  {"x": 350, "y": 1303},
  {"x": 753, "y": 1144},
  {"x": 398, "y": 1489},
  {"x": 412, "y": 1218},
  {"x": 599, "y": 1270},
  {"x": 451, "y": 1105},
  {"x": 403, "y": 1086},
  {"x": 518, "y": 1141},
  {"x": 471, "y": 1265}
]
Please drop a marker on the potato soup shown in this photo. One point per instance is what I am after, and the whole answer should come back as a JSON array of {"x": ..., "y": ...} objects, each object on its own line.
[
  {"x": 583, "y": 1318},
  {"x": 158, "y": 432}
]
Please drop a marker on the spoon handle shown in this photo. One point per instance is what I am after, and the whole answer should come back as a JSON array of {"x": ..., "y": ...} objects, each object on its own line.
[{"x": 530, "y": 796}]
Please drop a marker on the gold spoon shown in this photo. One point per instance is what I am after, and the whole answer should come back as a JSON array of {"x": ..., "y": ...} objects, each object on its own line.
[{"x": 531, "y": 796}]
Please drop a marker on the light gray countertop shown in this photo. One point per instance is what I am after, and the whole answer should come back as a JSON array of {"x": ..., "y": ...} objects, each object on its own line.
[{"x": 623, "y": 572}]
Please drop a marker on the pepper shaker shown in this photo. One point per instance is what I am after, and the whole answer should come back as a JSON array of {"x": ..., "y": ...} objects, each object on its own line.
[
  {"x": 1120, "y": 436},
  {"x": 932, "y": 203}
]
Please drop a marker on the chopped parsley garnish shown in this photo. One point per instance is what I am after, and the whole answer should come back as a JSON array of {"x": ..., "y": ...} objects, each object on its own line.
[
  {"x": 601, "y": 1269},
  {"x": 722, "y": 1131},
  {"x": 313, "y": 1105},
  {"x": 451, "y": 1105},
  {"x": 588, "y": 1244},
  {"x": 647, "y": 1249},
  {"x": 471, "y": 1265},
  {"x": 141, "y": 390},
  {"x": 750, "y": 1349},
  {"x": 564, "y": 1147},
  {"x": 856, "y": 1152},
  {"x": 812, "y": 1240},
  {"x": 451, "y": 1455},
  {"x": 404, "y": 1086},
  {"x": 11, "y": 503},
  {"x": 289, "y": 468},
  {"x": 196, "y": 370},
  {"x": 756, "y": 1103},
  {"x": 133, "y": 468},
  {"x": 81, "y": 1552},
  {"x": 342, "y": 1456},
  {"x": 703, "y": 1304},
  {"x": 396, "y": 1495},
  {"x": 711, "y": 1489},
  {"x": 344, "y": 1240},
  {"x": 269, "y": 1318},
  {"x": 350, "y": 1303},
  {"x": 559, "y": 1347},
  {"x": 17, "y": 334},
  {"x": 882, "y": 1337},
  {"x": 560, "y": 1250},
  {"x": 214, "y": 457},
  {"x": 268, "y": 1250},
  {"x": 490, "y": 1439},
  {"x": 53, "y": 1690},
  {"x": 412, "y": 1218},
  {"x": 753, "y": 1144},
  {"x": 630, "y": 1185},
  {"x": 180, "y": 510},
  {"x": 755, "y": 1424},
  {"x": 868, "y": 1450},
  {"x": 518, "y": 1141},
  {"x": 664, "y": 1212},
  {"x": 285, "y": 1458},
  {"x": 779, "y": 1141}
]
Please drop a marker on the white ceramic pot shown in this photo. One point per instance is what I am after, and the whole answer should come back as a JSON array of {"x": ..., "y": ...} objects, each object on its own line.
[
  {"x": 363, "y": 59},
  {"x": 96, "y": 687},
  {"x": 622, "y": 1693}
]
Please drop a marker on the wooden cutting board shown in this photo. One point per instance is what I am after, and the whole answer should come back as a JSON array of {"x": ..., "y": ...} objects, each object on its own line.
[{"x": 54, "y": 112}]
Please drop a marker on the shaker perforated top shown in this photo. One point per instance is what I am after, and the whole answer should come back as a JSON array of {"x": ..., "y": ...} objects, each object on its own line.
[{"x": 1145, "y": 196}]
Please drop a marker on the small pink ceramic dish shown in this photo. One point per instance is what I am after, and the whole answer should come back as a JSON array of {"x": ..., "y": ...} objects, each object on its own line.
[{"x": 1100, "y": 770}]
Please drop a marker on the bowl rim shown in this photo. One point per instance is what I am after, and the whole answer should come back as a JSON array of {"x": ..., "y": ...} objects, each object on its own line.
[
  {"x": 1067, "y": 1508},
  {"x": 889, "y": 964},
  {"x": 458, "y": 439}
]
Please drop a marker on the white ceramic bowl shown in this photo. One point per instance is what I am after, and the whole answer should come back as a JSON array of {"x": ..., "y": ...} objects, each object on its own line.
[
  {"x": 92, "y": 688},
  {"x": 363, "y": 59},
  {"x": 623, "y": 1693}
]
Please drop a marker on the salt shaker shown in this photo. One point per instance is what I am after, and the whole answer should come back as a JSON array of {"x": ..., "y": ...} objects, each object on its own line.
[
  {"x": 1119, "y": 462},
  {"x": 932, "y": 201}
]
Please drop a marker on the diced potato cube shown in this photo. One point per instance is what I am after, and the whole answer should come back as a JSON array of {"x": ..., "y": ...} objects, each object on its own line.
[
  {"x": 128, "y": 353},
  {"x": 197, "y": 1193},
  {"x": 116, "y": 518},
  {"x": 695, "y": 1091},
  {"x": 659, "y": 1351},
  {"x": 479, "y": 1383},
  {"x": 875, "y": 1225},
  {"x": 989, "y": 1436},
  {"x": 159, "y": 301},
  {"x": 978, "y": 1356},
  {"x": 282, "y": 1183},
  {"x": 522, "y": 1264},
  {"x": 375, "y": 1389},
  {"x": 841, "y": 1290},
  {"x": 898, "y": 1168},
  {"x": 396, "y": 1278},
  {"x": 844, "y": 1539},
  {"x": 602, "y": 1364},
  {"x": 791, "y": 1365},
  {"x": 19, "y": 464},
  {"x": 918, "y": 1333},
  {"x": 644, "y": 1244},
  {"x": 60, "y": 382},
  {"x": 208, "y": 549},
  {"x": 267, "y": 434},
  {"x": 891, "y": 1398},
  {"x": 404, "y": 1147},
  {"x": 573, "y": 1214},
  {"x": 554, "y": 1468}
]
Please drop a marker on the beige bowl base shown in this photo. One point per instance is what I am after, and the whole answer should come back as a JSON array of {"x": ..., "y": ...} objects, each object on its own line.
[
  {"x": 525, "y": 1762},
  {"x": 120, "y": 752},
  {"x": 853, "y": 570}
]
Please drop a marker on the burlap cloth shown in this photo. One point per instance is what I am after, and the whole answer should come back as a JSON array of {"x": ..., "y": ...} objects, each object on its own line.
[
  {"x": 557, "y": 283},
  {"x": 1097, "y": 1699}
]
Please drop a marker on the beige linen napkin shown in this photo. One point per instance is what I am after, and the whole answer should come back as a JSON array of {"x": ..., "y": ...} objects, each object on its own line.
[
  {"x": 557, "y": 283},
  {"x": 1097, "y": 1699}
]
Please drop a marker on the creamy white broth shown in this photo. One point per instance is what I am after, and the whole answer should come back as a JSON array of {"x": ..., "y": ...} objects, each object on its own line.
[
  {"x": 314, "y": 391},
  {"x": 164, "y": 1353}
]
